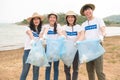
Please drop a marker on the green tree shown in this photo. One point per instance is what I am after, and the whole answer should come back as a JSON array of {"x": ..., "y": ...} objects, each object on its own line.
[{"x": 80, "y": 19}]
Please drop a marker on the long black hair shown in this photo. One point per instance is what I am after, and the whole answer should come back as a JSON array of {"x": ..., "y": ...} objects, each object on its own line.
[
  {"x": 32, "y": 26},
  {"x": 55, "y": 24},
  {"x": 74, "y": 23}
]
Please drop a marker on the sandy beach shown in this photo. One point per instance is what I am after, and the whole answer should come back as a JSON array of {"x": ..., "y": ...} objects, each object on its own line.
[{"x": 11, "y": 63}]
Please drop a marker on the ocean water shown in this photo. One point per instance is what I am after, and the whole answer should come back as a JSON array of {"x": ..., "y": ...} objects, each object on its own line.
[
  {"x": 12, "y": 36},
  {"x": 113, "y": 31}
]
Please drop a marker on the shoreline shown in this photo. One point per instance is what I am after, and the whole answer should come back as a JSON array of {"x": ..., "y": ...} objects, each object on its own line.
[
  {"x": 19, "y": 47},
  {"x": 22, "y": 48}
]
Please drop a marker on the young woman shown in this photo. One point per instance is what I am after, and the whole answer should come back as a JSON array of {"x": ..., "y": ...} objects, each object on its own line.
[
  {"x": 32, "y": 33},
  {"x": 52, "y": 31},
  {"x": 73, "y": 32}
]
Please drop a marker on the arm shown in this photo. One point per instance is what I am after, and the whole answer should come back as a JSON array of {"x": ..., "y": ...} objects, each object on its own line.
[
  {"x": 102, "y": 29},
  {"x": 61, "y": 32},
  {"x": 29, "y": 33},
  {"x": 80, "y": 36},
  {"x": 43, "y": 33}
]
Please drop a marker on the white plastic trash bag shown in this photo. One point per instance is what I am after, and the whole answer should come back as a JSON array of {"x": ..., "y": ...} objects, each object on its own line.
[
  {"x": 53, "y": 48},
  {"x": 68, "y": 52},
  {"x": 89, "y": 50},
  {"x": 37, "y": 55}
]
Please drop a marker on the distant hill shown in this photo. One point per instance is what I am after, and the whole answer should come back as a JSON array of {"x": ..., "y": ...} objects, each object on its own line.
[{"x": 113, "y": 18}]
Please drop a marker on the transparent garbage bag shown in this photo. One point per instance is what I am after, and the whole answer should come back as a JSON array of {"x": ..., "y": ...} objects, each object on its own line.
[
  {"x": 53, "y": 48},
  {"x": 89, "y": 50},
  {"x": 37, "y": 55},
  {"x": 68, "y": 51}
]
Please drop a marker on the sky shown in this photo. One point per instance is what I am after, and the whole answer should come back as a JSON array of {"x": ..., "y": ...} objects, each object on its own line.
[{"x": 12, "y": 11}]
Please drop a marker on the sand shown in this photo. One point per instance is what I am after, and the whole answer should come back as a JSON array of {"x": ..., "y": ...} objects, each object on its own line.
[{"x": 11, "y": 63}]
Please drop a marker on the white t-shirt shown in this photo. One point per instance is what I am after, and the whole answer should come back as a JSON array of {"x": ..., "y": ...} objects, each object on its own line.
[
  {"x": 72, "y": 32},
  {"x": 50, "y": 33},
  {"x": 92, "y": 28},
  {"x": 27, "y": 44}
]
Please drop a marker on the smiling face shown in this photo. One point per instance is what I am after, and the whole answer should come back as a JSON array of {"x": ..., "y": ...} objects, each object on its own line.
[
  {"x": 36, "y": 21},
  {"x": 88, "y": 13},
  {"x": 52, "y": 19},
  {"x": 71, "y": 19}
]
